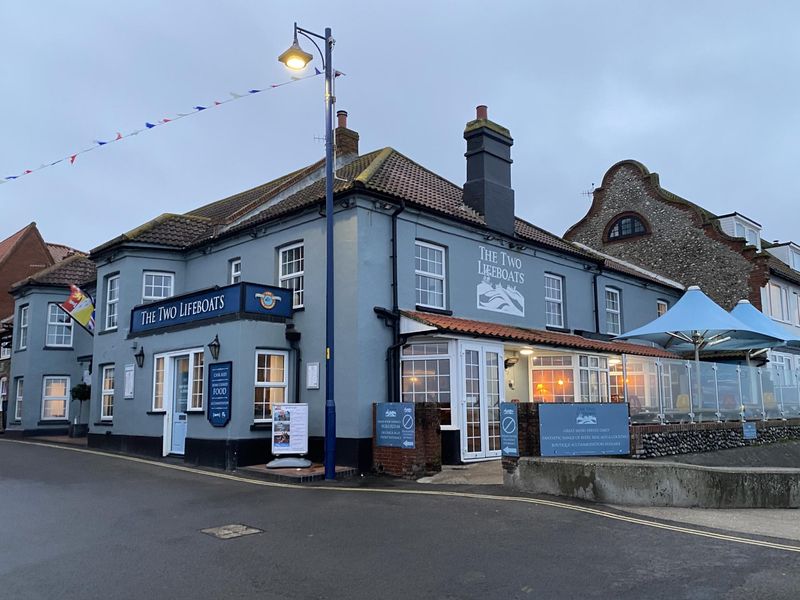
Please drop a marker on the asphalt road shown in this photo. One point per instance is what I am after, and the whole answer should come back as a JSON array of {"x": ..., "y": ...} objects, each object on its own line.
[{"x": 81, "y": 525}]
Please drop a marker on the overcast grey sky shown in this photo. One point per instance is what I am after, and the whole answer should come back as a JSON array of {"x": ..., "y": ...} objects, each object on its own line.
[{"x": 704, "y": 93}]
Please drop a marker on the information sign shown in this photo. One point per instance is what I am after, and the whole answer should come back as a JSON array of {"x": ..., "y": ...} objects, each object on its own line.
[
  {"x": 584, "y": 429},
  {"x": 509, "y": 429},
  {"x": 290, "y": 428},
  {"x": 220, "y": 376},
  {"x": 749, "y": 431},
  {"x": 394, "y": 424}
]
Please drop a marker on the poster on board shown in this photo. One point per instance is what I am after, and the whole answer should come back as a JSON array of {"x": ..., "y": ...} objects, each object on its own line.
[{"x": 290, "y": 428}]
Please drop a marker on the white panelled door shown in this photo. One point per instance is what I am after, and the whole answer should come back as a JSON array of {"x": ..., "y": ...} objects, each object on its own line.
[{"x": 482, "y": 390}]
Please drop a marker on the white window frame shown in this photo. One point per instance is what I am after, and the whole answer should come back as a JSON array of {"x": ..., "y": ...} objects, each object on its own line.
[
  {"x": 783, "y": 301},
  {"x": 112, "y": 304},
  {"x": 55, "y": 322},
  {"x": 419, "y": 273},
  {"x": 166, "y": 392},
  {"x": 19, "y": 397},
  {"x": 235, "y": 271},
  {"x": 428, "y": 356},
  {"x": 5, "y": 352},
  {"x": 22, "y": 326},
  {"x": 271, "y": 384},
  {"x": 3, "y": 391},
  {"x": 197, "y": 374},
  {"x": 106, "y": 392},
  {"x": 611, "y": 312},
  {"x": 298, "y": 294},
  {"x": 557, "y": 301},
  {"x": 46, "y": 398},
  {"x": 796, "y": 296},
  {"x": 750, "y": 234},
  {"x": 151, "y": 298}
]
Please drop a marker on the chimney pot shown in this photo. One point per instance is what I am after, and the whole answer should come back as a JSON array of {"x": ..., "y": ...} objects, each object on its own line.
[
  {"x": 341, "y": 118},
  {"x": 345, "y": 140},
  {"x": 482, "y": 112}
]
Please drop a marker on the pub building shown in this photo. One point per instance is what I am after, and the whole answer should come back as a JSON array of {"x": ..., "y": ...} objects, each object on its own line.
[{"x": 442, "y": 295}]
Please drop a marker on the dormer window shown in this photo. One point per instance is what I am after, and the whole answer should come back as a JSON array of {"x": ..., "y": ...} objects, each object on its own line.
[
  {"x": 626, "y": 226},
  {"x": 748, "y": 233}
]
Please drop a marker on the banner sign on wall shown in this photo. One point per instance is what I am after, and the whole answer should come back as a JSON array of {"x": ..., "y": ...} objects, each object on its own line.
[
  {"x": 239, "y": 298},
  {"x": 220, "y": 380},
  {"x": 509, "y": 429},
  {"x": 749, "y": 430},
  {"x": 290, "y": 428},
  {"x": 394, "y": 424},
  {"x": 584, "y": 429}
]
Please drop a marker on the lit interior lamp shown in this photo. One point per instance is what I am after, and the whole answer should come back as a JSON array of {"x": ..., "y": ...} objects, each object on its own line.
[
  {"x": 526, "y": 351},
  {"x": 560, "y": 382},
  {"x": 295, "y": 58}
]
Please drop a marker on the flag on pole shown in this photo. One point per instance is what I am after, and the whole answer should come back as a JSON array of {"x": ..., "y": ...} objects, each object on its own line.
[{"x": 80, "y": 307}]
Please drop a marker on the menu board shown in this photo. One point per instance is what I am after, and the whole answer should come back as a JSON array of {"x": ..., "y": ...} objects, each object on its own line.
[{"x": 290, "y": 428}]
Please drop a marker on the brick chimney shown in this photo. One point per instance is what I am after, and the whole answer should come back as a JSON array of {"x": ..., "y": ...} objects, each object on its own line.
[
  {"x": 488, "y": 186},
  {"x": 345, "y": 140}
]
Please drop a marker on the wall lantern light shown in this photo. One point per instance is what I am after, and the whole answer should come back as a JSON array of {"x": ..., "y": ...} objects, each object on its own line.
[
  {"x": 139, "y": 356},
  {"x": 214, "y": 345}
]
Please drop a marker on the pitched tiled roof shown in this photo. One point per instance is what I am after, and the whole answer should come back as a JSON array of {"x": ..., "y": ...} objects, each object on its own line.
[
  {"x": 77, "y": 269},
  {"x": 385, "y": 171},
  {"x": 59, "y": 251},
  {"x": 531, "y": 336},
  {"x": 783, "y": 270}
]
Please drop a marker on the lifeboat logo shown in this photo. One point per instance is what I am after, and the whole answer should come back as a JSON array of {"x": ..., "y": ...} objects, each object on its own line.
[{"x": 268, "y": 300}]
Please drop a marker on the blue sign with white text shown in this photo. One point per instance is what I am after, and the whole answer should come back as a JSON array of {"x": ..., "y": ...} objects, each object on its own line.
[
  {"x": 749, "y": 431},
  {"x": 220, "y": 380},
  {"x": 394, "y": 424},
  {"x": 509, "y": 429},
  {"x": 584, "y": 429},
  {"x": 249, "y": 298}
]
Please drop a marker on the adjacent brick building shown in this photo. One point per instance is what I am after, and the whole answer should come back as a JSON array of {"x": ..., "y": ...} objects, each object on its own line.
[{"x": 634, "y": 219}]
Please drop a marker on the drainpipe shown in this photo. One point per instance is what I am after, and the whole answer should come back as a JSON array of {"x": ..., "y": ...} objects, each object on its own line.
[
  {"x": 393, "y": 352},
  {"x": 596, "y": 304}
]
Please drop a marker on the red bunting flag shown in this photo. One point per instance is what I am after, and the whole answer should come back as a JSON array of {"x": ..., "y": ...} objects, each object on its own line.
[
  {"x": 72, "y": 159},
  {"x": 119, "y": 136}
]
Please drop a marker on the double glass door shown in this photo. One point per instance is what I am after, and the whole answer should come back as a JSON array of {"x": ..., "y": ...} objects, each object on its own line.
[{"x": 481, "y": 393}]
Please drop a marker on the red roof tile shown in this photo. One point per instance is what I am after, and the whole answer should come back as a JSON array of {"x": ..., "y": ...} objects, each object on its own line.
[{"x": 532, "y": 336}]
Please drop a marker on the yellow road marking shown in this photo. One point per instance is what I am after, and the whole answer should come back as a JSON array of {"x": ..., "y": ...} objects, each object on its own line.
[{"x": 537, "y": 501}]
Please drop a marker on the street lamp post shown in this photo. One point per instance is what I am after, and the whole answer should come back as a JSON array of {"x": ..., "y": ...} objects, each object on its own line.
[{"x": 296, "y": 58}]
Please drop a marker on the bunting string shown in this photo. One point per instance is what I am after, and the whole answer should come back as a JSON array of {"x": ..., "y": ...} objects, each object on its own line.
[{"x": 148, "y": 125}]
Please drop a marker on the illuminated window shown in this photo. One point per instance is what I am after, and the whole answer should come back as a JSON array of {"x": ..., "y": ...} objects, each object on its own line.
[
  {"x": 425, "y": 376},
  {"x": 552, "y": 378},
  {"x": 107, "y": 394},
  {"x": 270, "y": 383},
  {"x": 55, "y": 391}
]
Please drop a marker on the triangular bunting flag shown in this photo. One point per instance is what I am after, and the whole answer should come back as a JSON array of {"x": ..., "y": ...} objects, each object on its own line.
[
  {"x": 72, "y": 159},
  {"x": 149, "y": 125},
  {"x": 199, "y": 108},
  {"x": 119, "y": 136},
  {"x": 99, "y": 143},
  {"x": 317, "y": 71}
]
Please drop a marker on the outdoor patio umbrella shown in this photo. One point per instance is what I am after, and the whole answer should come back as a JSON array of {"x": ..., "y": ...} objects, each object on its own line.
[
  {"x": 695, "y": 323},
  {"x": 758, "y": 321}
]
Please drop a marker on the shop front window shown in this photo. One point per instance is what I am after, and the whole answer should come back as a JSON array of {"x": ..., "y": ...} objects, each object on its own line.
[{"x": 425, "y": 376}]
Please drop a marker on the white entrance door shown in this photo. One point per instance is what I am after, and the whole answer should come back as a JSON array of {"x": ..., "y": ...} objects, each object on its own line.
[
  {"x": 481, "y": 393},
  {"x": 180, "y": 401}
]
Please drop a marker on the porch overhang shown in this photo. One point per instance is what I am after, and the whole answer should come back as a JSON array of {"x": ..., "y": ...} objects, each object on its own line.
[{"x": 414, "y": 322}]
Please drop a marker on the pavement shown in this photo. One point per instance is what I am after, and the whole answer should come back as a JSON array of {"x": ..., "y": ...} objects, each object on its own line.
[{"x": 76, "y": 523}]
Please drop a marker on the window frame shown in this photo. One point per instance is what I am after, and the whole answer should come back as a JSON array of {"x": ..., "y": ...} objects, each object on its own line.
[
  {"x": 107, "y": 393},
  {"x": 559, "y": 301},
  {"x": 299, "y": 275},
  {"x": 54, "y": 310},
  {"x": 447, "y": 355},
  {"x": 167, "y": 371},
  {"x": 112, "y": 303},
  {"x": 24, "y": 320},
  {"x": 46, "y": 398},
  {"x": 610, "y": 311},
  {"x": 234, "y": 271},
  {"x": 270, "y": 384},
  {"x": 19, "y": 398},
  {"x": 3, "y": 390},
  {"x": 430, "y": 274},
  {"x": 5, "y": 352},
  {"x": 659, "y": 304},
  {"x": 783, "y": 301},
  {"x": 168, "y": 274}
]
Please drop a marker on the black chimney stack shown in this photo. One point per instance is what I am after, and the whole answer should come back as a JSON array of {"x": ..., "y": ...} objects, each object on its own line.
[{"x": 488, "y": 187}]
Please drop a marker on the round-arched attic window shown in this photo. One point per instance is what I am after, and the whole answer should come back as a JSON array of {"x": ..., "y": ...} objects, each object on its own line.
[{"x": 626, "y": 226}]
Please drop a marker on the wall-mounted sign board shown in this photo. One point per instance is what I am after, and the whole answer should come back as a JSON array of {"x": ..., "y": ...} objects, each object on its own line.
[
  {"x": 220, "y": 383},
  {"x": 394, "y": 425},
  {"x": 584, "y": 429}
]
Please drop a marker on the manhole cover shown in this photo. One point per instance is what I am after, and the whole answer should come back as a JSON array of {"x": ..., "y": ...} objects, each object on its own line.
[{"x": 226, "y": 532}]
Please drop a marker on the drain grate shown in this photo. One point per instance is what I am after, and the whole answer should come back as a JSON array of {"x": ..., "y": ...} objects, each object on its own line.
[{"x": 227, "y": 532}]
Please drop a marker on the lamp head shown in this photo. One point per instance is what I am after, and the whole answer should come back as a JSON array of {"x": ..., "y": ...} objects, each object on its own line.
[
  {"x": 295, "y": 58},
  {"x": 214, "y": 346}
]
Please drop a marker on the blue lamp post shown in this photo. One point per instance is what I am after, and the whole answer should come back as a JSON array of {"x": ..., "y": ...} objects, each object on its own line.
[{"x": 296, "y": 59}]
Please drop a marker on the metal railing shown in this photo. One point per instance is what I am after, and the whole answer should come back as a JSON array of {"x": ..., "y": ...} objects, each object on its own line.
[{"x": 678, "y": 391}]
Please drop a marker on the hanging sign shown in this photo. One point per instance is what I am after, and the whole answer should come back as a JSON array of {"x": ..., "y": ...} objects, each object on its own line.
[
  {"x": 394, "y": 424},
  {"x": 509, "y": 429},
  {"x": 220, "y": 379},
  {"x": 290, "y": 428}
]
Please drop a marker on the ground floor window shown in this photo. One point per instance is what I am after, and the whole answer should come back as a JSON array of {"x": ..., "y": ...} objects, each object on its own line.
[
  {"x": 158, "y": 382},
  {"x": 188, "y": 368},
  {"x": 55, "y": 397},
  {"x": 593, "y": 372},
  {"x": 18, "y": 399},
  {"x": 425, "y": 376},
  {"x": 198, "y": 364},
  {"x": 271, "y": 382},
  {"x": 107, "y": 399},
  {"x": 3, "y": 392},
  {"x": 552, "y": 378}
]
